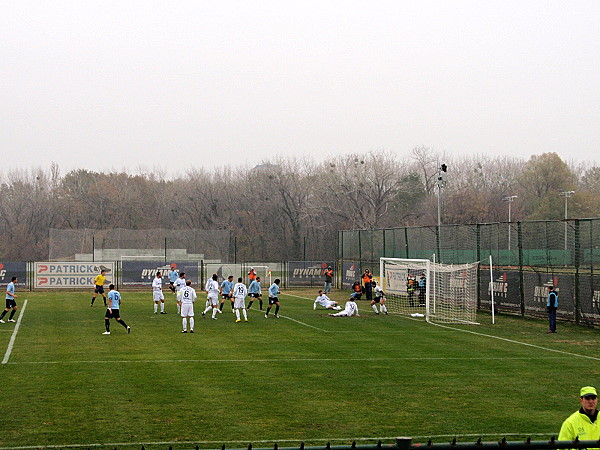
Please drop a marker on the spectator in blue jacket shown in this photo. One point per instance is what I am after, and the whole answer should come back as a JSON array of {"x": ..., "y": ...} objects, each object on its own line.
[{"x": 551, "y": 307}]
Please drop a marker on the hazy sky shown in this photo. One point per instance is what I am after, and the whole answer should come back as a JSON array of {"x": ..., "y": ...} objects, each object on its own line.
[{"x": 129, "y": 84}]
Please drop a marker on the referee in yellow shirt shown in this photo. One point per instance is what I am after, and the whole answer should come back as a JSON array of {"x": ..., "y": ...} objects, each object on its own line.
[{"x": 99, "y": 286}]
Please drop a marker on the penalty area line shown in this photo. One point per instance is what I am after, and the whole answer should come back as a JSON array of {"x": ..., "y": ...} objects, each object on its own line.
[
  {"x": 305, "y": 324},
  {"x": 512, "y": 341},
  {"x": 14, "y": 335}
]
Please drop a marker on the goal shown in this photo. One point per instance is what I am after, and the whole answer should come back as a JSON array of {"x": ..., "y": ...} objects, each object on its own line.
[{"x": 442, "y": 293}]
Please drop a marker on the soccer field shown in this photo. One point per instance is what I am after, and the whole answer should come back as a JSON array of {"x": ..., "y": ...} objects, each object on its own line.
[{"x": 304, "y": 377}]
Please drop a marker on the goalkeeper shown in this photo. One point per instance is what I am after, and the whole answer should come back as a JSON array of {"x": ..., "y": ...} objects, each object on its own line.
[
  {"x": 325, "y": 302},
  {"x": 379, "y": 298}
]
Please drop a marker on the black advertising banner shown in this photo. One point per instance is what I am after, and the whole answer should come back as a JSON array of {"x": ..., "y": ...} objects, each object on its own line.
[
  {"x": 13, "y": 269},
  {"x": 307, "y": 273}
]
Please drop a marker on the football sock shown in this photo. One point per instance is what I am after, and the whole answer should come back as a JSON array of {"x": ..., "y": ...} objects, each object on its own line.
[
  {"x": 107, "y": 324},
  {"x": 277, "y": 309},
  {"x": 250, "y": 304},
  {"x": 207, "y": 309},
  {"x": 237, "y": 314},
  {"x": 245, "y": 315},
  {"x": 268, "y": 309},
  {"x": 375, "y": 308},
  {"x": 162, "y": 306},
  {"x": 221, "y": 306},
  {"x": 260, "y": 304},
  {"x": 155, "y": 307},
  {"x": 122, "y": 322},
  {"x": 191, "y": 323},
  {"x": 184, "y": 323},
  {"x": 214, "y": 312},
  {"x": 93, "y": 299},
  {"x": 3, "y": 314},
  {"x": 12, "y": 313},
  {"x": 104, "y": 298},
  {"x": 383, "y": 308}
]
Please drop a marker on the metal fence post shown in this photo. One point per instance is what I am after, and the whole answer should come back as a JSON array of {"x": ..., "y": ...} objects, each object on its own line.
[
  {"x": 521, "y": 276},
  {"x": 478, "y": 231},
  {"x": 577, "y": 262}
]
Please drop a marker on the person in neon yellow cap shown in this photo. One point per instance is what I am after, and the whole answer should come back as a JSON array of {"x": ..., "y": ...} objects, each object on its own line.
[{"x": 583, "y": 424}]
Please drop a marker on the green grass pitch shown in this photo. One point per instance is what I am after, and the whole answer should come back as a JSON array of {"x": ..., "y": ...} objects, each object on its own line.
[{"x": 304, "y": 377}]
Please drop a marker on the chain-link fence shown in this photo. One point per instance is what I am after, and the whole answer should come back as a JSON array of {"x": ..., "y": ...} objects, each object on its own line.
[{"x": 527, "y": 258}]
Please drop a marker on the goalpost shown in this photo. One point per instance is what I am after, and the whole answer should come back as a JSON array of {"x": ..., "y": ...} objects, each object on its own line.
[{"x": 442, "y": 293}]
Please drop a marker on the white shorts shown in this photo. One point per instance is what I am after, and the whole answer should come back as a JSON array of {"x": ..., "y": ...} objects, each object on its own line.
[
  {"x": 158, "y": 296},
  {"x": 240, "y": 303},
  {"x": 213, "y": 299},
  {"x": 187, "y": 310}
]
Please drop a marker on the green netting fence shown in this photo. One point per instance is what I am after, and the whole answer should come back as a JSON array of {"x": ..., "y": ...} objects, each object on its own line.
[{"x": 527, "y": 257}]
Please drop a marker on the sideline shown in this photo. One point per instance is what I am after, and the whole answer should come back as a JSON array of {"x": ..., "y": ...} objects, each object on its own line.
[
  {"x": 278, "y": 360},
  {"x": 14, "y": 335},
  {"x": 264, "y": 441}
]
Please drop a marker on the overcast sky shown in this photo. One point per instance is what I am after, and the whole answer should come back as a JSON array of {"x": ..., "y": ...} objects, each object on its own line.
[{"x": 120, "y": 84}]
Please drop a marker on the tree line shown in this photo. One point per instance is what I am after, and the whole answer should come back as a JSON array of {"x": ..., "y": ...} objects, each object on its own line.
[{"x": 292, "y": 208}]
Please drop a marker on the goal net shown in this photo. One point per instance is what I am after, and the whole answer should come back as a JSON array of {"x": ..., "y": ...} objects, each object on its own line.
[{"x": 442, "y": 293}]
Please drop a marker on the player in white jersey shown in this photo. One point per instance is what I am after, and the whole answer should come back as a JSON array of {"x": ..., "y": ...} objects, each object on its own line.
[
  {"x": 350, "y": 310},
  {"x": 157, "y": 294},
  {"x": 325, "y": 302},
  {"x": 178, "y": 284},
  {"x": 212, "y": 289},
  {"x": 240, "y": 292},
  {"x": 186, "y": 298},
  {"x": 379, "y": 298}
]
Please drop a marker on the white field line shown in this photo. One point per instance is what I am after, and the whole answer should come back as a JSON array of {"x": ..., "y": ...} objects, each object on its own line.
[
  {"x": 278, "y": 360},
  {"x": 14, "y": 335},
  {"x": 562, "y": 352},
  {"x": 512, "y": 341},
  {"x": 269, "y": 441},
  {"x": 305, "y": 324}
]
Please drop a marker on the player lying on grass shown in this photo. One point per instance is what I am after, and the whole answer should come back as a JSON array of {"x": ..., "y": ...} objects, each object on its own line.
[
  {"x": 325, "y": 302},
  {"x": 350, "y": 310},
  {"x": 379, "y": 298}
]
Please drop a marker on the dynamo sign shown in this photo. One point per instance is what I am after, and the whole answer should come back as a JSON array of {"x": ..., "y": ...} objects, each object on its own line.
[{"x": 71, "y": 274}]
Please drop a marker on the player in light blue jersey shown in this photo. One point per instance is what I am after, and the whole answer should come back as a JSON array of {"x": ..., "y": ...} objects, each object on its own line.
[
  {"x": 173, "y": 275},
  {"x": 112, "y": 312},
  {"x": 10, "y": 301},
  {"x": 255, "y": 292},
  {"x": 274, "y": 298},
  {"x": 226, "y": 292}
]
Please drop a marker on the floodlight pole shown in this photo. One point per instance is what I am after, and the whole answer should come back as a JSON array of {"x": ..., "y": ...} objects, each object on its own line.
[
  {"x": 509, "y": 199},
  {"x": 441, "y": 182},
  {"x": 566, "y": 195}
]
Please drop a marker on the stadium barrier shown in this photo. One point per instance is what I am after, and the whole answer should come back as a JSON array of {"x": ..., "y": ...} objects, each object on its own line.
[{"x": 406, "y": 443}]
